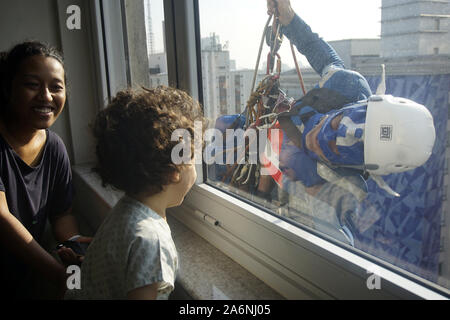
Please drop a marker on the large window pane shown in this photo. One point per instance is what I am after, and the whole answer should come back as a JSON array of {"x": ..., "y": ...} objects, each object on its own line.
[
  {"x": 409, "y": 231},
  {"x": 147, "y": 59}
]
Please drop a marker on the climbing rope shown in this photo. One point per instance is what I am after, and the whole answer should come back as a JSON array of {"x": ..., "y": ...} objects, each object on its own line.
[{"x": 258, "y": 114}]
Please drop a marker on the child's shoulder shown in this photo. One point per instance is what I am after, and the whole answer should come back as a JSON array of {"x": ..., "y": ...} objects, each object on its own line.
[{"x": 132, "y": 217}]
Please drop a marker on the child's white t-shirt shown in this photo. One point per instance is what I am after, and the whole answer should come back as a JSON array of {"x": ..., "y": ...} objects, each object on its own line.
[{"x": 133, "y": 248}]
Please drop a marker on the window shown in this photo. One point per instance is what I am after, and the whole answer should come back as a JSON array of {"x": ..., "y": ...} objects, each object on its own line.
[
  {"x": 237, "y": 93},
  {"x": 404, "y": 231},
  {"x": 279, "y": 230},
  {"x": 147, "y": 59},
  {"x": 223, "y": 94},
  {"x": 437, "y": 24}
]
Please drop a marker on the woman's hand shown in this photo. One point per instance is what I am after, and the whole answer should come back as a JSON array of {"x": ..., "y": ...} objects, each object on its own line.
[
  {"x": 281, "y": 8},
  {"x": 69, "y": 257}
]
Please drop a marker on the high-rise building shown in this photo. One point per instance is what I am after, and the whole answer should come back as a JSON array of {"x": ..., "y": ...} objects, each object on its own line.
[
  {"x": 149, "y": 27},
  {"x": 415, "y": 28},
  {"x": 225, "y": 90}
]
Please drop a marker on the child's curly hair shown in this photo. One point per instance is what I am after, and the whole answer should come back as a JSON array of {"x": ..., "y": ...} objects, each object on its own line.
[{"x": 134, "y": 137}]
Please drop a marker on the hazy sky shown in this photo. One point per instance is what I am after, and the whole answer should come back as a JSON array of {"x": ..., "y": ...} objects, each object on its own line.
[{"x": 241, "y": 23}]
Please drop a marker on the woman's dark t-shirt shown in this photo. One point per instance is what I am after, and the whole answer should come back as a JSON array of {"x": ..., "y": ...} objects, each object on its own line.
[{"x": 33, "y": 194}]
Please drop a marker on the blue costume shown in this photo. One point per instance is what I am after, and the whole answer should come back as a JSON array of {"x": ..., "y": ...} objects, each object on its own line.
[
  {"x": 341, "y": 206},
  {"x": 352, "y": 86},
  {"x": 341, "y": 201}
]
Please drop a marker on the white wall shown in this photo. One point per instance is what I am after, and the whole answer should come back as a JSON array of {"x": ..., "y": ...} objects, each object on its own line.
[
  {"x": 23, "y": 20},
  {"x": 45, "y": 20}
]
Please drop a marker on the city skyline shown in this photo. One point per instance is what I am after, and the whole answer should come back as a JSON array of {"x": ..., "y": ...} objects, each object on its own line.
[{"x": 356, "y": 19}]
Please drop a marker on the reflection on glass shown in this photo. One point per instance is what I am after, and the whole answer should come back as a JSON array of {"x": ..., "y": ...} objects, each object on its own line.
[{"x": 386, "y": 200}]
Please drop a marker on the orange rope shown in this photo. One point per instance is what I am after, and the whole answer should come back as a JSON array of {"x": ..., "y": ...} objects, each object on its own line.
[{"x": 299, "y": 73}]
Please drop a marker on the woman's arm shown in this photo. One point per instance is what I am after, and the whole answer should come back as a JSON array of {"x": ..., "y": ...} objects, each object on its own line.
[
  {"x": 15, "y": 238},
  {"x": 64, "y": 226}
]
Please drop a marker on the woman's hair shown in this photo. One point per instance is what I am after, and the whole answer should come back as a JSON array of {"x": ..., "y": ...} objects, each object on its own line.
[
  {"x": 133, "y": 136},
  {"x": 10, "y": 62}
]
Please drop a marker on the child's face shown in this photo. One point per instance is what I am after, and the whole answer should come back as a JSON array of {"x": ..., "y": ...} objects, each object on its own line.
[{"x": 187, "y": 177}]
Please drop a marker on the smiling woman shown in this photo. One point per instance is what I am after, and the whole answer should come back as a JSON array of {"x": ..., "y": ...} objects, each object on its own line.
[
  {"x": 35, "y": 173},
  {"x": 38, "y": 93}
]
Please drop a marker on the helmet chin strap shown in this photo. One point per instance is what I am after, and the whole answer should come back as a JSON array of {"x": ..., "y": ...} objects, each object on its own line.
[
  {"x": 332, "y": 176},
  {"x": 383, "y": 185}
]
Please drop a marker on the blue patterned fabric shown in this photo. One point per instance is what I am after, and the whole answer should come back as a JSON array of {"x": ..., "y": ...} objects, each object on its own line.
[
  {"x": 407, "y": 232},
  {"x": 404, "y": 231},
  {"x": 304, "y": 168},
  {"x": 348, "y": 136}
]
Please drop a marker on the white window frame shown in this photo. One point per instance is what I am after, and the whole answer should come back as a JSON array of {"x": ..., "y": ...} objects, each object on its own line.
[
  {"x": 296, "y": 263},
  {"x": 111, "y": 45}
]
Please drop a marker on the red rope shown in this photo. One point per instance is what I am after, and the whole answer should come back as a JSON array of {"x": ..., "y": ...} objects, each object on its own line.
[{"x": 299, "y": 73}]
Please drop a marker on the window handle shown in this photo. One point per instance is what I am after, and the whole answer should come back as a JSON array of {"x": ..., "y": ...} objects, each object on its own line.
[{"x": 207, "y": 218}]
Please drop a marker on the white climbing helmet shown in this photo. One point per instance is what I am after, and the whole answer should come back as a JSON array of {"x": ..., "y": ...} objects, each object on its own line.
[{"x": 399, "y": 135}]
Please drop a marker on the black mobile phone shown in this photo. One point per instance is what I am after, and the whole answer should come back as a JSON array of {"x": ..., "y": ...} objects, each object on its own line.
[{"x": 78, "y": 247}]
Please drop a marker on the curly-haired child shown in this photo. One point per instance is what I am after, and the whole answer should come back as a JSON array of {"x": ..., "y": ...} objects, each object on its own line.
[{"x": 133, "y": 255}]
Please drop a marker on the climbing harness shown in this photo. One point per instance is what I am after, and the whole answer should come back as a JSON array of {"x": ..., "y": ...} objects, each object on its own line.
[
  {"x": 265, "y": 103},
  {"x": 268, "y": 107}
]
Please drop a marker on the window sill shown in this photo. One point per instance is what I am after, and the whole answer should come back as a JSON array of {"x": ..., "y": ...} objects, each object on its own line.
[
  {"x": 291, "y": 262},
  {"x": 205, "y": 272}
]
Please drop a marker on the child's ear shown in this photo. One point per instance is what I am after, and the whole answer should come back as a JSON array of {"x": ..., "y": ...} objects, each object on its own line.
[{"x": 176, "y": 177}]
